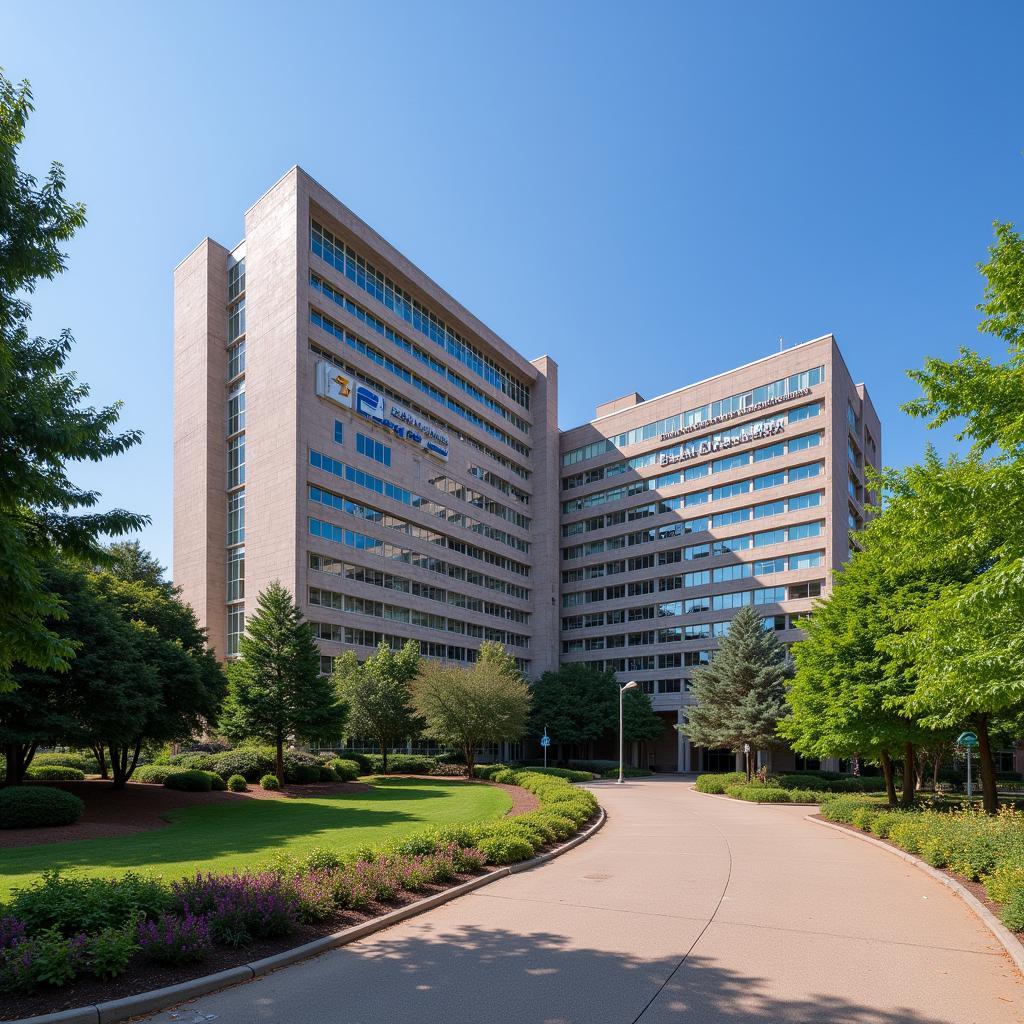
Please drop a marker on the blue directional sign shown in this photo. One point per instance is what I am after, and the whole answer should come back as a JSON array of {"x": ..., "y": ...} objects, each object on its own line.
[
  {"x": 545, "y": 741},
  {"x": 967, "y": 739}
]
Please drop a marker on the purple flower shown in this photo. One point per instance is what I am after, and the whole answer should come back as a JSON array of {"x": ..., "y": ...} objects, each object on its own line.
[{"x": 12, "y": 932}]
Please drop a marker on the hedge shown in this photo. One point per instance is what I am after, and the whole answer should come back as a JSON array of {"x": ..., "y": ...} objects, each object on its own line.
[
  {"x": 346, "y": 769},
  {"x": 981, "y": 847},
  {"x": 194, "y": 781},
  {"x": 54, "y": 773},
  {"x": 38, "y": 807},
  {"x": 84, "y": 761},
  {"x": 401, "y": 764},
  {"x": 718, "y": 783},
  {"x": 153, "y": 773}
]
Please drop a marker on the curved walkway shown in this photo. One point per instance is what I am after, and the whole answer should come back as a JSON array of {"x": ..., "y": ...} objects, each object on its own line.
[{"x": 683, "y": 908}]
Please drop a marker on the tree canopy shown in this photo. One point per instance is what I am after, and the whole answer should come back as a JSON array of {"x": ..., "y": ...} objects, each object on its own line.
[{"x": 45, "y": 422}]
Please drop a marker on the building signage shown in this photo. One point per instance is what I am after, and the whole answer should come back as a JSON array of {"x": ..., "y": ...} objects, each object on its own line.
[
  {"x": 746, "y": 411},
  {"x": 333, "y": 385},
  {"x": 709, "y": 447},
  {"x": 400, "y": 421}
]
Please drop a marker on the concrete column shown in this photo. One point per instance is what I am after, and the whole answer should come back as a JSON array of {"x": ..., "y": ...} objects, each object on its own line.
[{"x": 682, "y": 745}]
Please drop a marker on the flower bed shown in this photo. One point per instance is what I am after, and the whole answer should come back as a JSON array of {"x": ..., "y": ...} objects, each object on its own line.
[
  {"x": 68, "y": 940},
  {"x": 982, "y": 848}
]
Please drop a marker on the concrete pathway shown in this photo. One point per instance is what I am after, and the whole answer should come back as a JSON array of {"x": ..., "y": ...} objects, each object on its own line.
[{"x": 684, "y": 908}]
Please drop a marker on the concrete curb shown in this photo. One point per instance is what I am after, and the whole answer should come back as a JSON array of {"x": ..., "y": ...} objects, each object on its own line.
[
  {"x": 1006, "y": 938},
  {"x": 163, "y": 998}
]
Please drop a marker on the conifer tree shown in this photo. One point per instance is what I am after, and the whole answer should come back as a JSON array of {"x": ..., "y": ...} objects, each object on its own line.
[
  {"x": 741, "y": 695},
  {"x": 275, "y": 690}
]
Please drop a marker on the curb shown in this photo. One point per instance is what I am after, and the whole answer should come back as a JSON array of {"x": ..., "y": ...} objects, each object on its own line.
[
  {"x": 1006, "y": 938},
  {"x": 163, "y": 998}
]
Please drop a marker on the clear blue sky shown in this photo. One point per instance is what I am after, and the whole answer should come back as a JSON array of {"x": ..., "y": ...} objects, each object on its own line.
[{"x": 651, "y": 193}]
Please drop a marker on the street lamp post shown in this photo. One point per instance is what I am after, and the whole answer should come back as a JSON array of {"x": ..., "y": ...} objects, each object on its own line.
[{"x": 622, "y": 689}]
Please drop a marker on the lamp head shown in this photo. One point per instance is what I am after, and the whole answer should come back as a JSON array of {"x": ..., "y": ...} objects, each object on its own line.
[{"x": 631, "y": 685}]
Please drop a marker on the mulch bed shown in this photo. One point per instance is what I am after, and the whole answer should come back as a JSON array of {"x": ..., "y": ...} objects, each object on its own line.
[
  {"x": 976, "y": 889},
  {"x": 142, "y": 807},
  {"x": 143, "y": 976}
]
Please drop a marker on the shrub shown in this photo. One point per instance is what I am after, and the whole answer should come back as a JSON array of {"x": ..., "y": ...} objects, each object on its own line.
[
  {"x": 1006, "y": 879},
  {"x": 175, "y": 940},
  {"x": 328, "y": 774},
  {"x": 402, "y": 764},
  {"x": 451, "y": 771},
  {"x": 303, "y": 774},
  {"x": 718, "y": 783},
  {"x": 54, "y": 773},
  {"x": 44, "y": 959},
  {"x": 363, "y": 760},
  {"x": 863, "y": 816},
  {"x": 249, "y": 762},
  {"x": 759, "y": 794},
  {"x": 842, "y": 808},
  {"x": 505, "y": 848},
  {"x": 72, "y": 904},
  {"x": 237, "y": 784},
  {"x": 84, "y": 761},
  {"x": 345, "y": 770},
  {"x": 193, "y": 761},
  {"x": 627, "y": 773},
  {"x": 38, "y": 807},
  {"x": 569, "y": 774},
  {"x": 190, "y": 781},
  {"x": 152, "y": 773},
  {"x": 237, "y": 908},
  {"x": 598, "y": 767},
  {"x": 109, "y": 952},
  {"x": 270, "y": 782},
  {"x": 882, "y": 822}
]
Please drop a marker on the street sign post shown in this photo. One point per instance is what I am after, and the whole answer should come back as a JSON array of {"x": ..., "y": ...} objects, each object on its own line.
[
  {"x": 968, "y": 740},
  {"x": 545, "y": 742}
]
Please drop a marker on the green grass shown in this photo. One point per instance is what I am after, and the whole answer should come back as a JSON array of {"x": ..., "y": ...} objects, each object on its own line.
[{"x": 219, "y": 837}]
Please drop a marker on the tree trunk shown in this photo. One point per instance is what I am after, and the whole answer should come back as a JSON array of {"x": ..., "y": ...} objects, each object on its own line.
[
  {"x": 748, "y": 758},
  {"x": 101, "y": 760},
  {"x": 890, "y": 788},
  {"x": 468, "y": 752},
  {"x": 989, "y": 793},
  {"x": 384, "y": 755},
  {"x": 279, "y": 759},
  {"x": 936, "y": 764},
  {"x": 18, "y": 756},
  {"x": 123, "y": 759},
  {"x": 909, "y": 775}
]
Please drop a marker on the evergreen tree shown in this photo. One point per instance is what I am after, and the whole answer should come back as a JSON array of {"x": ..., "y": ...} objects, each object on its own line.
[
  {"x": 378, "y": 694},
  {"x": 741, "y": 695},
  {"x": 640, "y": 723},
  {"x": 44, "y": 423},
  {"x": 275, "y": 690}
]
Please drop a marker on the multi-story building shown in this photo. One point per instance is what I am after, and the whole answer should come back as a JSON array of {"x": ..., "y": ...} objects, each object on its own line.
[
  {"x": 345, "y": 426},
  {"x": 743, "y": 489}
]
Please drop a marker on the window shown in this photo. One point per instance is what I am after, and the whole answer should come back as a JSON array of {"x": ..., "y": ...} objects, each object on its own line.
[
  {"x": 805, "y": 530},
  {"x": 236, "y": 360},
  {"x": 810, "y": 560},
  {"x": 769, "y": 508},
  {"x": 773, "y": 451},
  {"x": 769, "y": 537},
  {"x": 236, "y": 461},
  {"x": 647, "y": 686},
  {"x": 767, "y": 566},
  {"x": 236, "y": 409},
  {"x": 730, "y": 490},
  {"x": 236, "y": 280},
  {"x": 802, "y": 590},
  {"x": 770, "y": 595},
  {"x": 701, "y": 631},
  {"x": 236, "y": 627},
  {"x": 731, "y": 572},
  {"x": 339, "y": 432},
  {"x": 804, "y": 472},
  {"x": 805, "y": 412},
  {"x": 669, "y": 685},
  {"x": 769, "y": 480},
  {"x": 376, "y": 450},
  {"x": 722, "y": 547},
  {"x": 723, "y": 602},
  {"x": 669, "y": 608},
  {"x": 236, "y": 518},
  {"x": 696, "y": 604},
  {"x": 738, "y": 515},
  {"x": 236, "y": 574},
  {"x": 236, "y": 320},
  {"x": 696, "y": 551},
  {"x": 731, "y": 462},
  {"x": 697, "y": 579},
  {"x": 805, "y": 501},
  {"x": 799, "y": 444},
  {"x": 692, "y": 659},
  {"x": 697, "y": 498}
]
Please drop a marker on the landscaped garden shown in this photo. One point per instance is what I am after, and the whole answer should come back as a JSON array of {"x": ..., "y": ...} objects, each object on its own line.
[
  {"x": 787, "y": 788},
  {"x": 228, "y": 882}
]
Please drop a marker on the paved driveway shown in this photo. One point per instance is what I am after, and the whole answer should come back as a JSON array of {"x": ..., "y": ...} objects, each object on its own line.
[{"x": 683, "y": 908}]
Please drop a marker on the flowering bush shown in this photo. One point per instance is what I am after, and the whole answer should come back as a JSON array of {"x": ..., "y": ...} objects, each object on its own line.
[
  {"x": 12, "y": 931},
  {"x": 239, "y": 907},
  {"x": 45, "y": 959},
  {"x": 175, "y": 940},
  {"x": 450, "y": 771}
]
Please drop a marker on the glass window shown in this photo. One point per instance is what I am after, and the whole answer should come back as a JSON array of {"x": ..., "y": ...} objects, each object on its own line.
[
  {"x": 372, "y": 449},
  {"x": 236, "y": 360},
  {"x": 236, "y": 408},
  {"x": 236, "y": 627},
  {"x": 236, "y": 320},
  {"x": 236, "y": 280},
  {"x": 236, "y": 461},
  {"x": 236, "y": 518},
  {"x": 236, "y": 574},
  {"x": 339, "y": 432}
]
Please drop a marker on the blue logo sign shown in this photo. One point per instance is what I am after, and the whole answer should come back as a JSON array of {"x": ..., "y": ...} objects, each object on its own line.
[
  {"x": 545, "y": 741},
  {"x": 369, "y": 403}
]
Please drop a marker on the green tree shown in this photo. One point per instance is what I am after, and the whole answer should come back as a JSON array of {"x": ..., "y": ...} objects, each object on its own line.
[
  {"x": 378, "y": 694},
  {"x": 44, "y": 423},
  {"x": 466, "y": 707},
  {"x": 741, "y": 695},
  {"x": 128, "y": 560},
  {"x": 107, "y": 689},
  {"x": 275, "y": 690},
  {"x": 577, "y": 704},
  {"x": 640, "y": 723}
]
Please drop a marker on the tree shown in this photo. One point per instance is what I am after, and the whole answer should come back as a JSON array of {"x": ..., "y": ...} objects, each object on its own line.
[
  {"x": 741, "y": 695},
  {"x": 129, "y": 561},
  {"x": 105, "y": 692},
  {"x": 275, "y": 690},
  {"x": 44, "y": 423},
  {"x": 378, "y": 694},
  {"x": 190, "y": 681},
  {"x": 577, "y": 704},
  {"x": 640, "y": 724},
  {"x": 465, "y": 707}
]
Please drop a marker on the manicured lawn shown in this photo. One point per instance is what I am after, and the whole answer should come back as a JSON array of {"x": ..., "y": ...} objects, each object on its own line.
[{"x": 222, "y": 837}]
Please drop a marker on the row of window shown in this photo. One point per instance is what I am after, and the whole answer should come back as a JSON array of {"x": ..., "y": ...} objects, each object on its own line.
[
  {"x": 689, "y": 632},
  {"x": 726, "y": 407},
  {"x": 640, "y": 512},
  {"x": 325, "y": 323},
  {"x": 388, "y": 490},
  {"x": 695, "y": 471},
  {"x": 343, "y": 258},
  {"x": 428, "y": 415},
  {"x": 704, "y": 603},
  {"x": 411, "y": 616},
  {"x": 481, "y": 501},
  {"x": 499, "y": 483},
  {"x": 682, "y": 581},
  {"x": 683, "y": 527},
  {"x": 419, "y": 354},
  {"x": 401, "y": 585},
  {"x": 371, "y": 448},
  {"x": 235, "y": 427},
  {"x": 428, "y": 649},
  {"x": 692, "y": 472}
]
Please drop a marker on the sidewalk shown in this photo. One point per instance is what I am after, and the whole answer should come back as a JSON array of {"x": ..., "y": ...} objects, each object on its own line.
[{"x": 682, "y": 909}]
